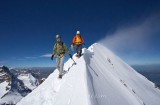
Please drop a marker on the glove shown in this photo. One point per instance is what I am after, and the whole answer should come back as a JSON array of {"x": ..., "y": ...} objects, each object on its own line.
[
  {"x": 52, "y": 57},
  {"x": 70, "y": 56},
  {"x": 72, "y": 47}
]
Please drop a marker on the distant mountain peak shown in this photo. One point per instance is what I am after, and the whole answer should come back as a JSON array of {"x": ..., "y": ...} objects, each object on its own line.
[{"x": 13, "y": 88}]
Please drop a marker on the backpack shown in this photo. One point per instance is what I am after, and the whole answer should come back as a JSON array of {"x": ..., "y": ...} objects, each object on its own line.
[
  {"x": 78, "y": 39},
  {"x": 62, "y": 45},
  {"x": 61, "y": 50}
]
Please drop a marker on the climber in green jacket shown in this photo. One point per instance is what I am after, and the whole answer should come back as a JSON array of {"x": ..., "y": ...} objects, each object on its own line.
[{"x": 59, "y": 51}]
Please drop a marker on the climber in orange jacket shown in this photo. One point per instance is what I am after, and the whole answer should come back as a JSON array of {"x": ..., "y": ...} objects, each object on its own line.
[{"x": 77, "y": 42}]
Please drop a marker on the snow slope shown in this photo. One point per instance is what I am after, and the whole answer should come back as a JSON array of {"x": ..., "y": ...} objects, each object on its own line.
[
  {"x": 11, "y": 98},
  {"x": 99, "y": 78},
  {"x": 3, "y": 86}
]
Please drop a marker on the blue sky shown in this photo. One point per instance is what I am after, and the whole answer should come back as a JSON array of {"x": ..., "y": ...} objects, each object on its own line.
[{"x": 28, "y": 28}]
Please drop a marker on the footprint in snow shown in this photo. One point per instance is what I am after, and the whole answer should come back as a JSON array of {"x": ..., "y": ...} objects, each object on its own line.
[{"x": 57, "y": 83}]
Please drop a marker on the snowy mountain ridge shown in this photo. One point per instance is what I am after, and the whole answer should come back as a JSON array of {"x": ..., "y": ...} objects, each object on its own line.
[
  {"x": 99, "y": 78},
  {"x": 28, "y": 80}
]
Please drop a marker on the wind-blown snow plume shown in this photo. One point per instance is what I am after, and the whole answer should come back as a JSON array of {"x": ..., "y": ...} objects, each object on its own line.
[
  {"x": 136, "y": 43},
  {"x": 133, "y": 38}
]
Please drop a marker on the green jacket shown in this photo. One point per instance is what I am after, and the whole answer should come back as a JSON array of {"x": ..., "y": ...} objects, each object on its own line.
[{"x": 60, "y": 49}]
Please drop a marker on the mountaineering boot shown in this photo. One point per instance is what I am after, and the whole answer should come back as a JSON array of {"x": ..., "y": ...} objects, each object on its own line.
[
  {"x": 77, "y": 55},
  {"x": 60, "y": 76},
  {"x": 80, "y": 54}
]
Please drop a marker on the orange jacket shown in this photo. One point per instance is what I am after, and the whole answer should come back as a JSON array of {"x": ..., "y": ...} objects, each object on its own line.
[{"x": 78, "y": 39}]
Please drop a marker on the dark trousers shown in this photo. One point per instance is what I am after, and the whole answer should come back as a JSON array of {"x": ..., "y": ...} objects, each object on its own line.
[{"x": 79, "y": 49}]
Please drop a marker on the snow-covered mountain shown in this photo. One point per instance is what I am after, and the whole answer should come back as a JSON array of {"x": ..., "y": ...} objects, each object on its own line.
[
  {"x": 98, "y": 78},
  {"x": 12, "y": 89},
  {"x": 28, "y": 80}
]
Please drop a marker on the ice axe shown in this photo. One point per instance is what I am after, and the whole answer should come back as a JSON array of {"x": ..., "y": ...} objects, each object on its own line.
[
  {"x": 72, "y": 64},
  {"x": 72, "y": 59}
]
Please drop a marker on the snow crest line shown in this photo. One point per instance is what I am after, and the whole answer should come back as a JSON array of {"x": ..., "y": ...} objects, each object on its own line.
[{"x": 99, "y": 78}]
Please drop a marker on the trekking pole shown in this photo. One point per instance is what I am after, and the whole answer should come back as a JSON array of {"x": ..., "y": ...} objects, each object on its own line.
[{"x": 74, "y": 61}]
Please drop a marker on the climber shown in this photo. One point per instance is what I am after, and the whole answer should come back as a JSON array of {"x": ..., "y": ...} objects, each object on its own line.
[
  {"x": 77, "y": 42},
  {"x": 59, "y": 51}
]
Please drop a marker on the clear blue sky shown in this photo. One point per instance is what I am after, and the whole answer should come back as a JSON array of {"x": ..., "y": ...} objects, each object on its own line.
[{"x": 28, "y": 27}]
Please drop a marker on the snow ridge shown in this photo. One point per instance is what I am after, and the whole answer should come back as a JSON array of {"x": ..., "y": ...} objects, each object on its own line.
[{"x": 99, "y": 78}]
